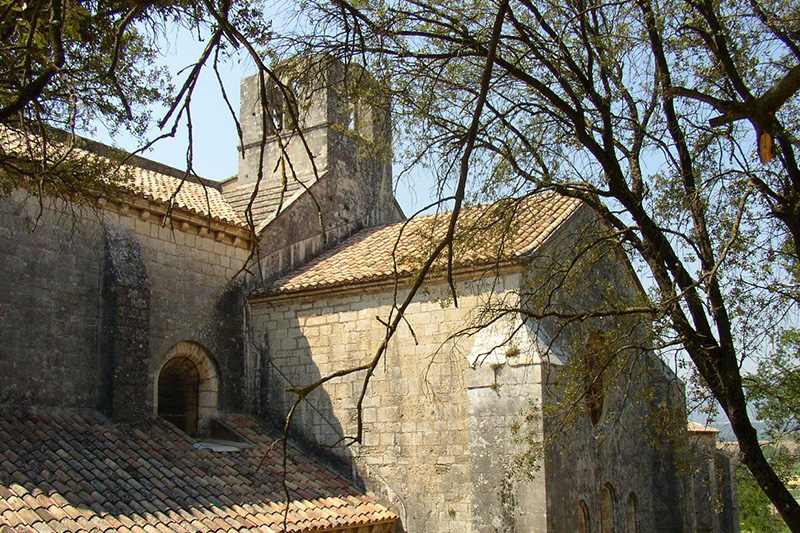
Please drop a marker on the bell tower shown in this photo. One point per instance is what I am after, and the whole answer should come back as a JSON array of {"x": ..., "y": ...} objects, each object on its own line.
[{"x": 318, "y": 138}]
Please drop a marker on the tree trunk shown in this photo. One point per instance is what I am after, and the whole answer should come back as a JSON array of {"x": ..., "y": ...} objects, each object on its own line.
[{"x": 751, "y": 455}]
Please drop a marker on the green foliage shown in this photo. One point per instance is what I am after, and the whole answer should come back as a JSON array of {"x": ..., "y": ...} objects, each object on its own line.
[
  {"x": 755, "y": 510},
  {"x": 756, "y": 513},
  {"x": 775, "y": 388},
  {"x": 69, "y": 65}
]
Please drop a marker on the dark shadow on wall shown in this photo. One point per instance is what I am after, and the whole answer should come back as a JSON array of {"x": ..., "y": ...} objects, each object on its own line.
[
  {"x": 124, "y": 340},
  {"x": 226, "y": 344},
  {"x": 315, "y": 428}
]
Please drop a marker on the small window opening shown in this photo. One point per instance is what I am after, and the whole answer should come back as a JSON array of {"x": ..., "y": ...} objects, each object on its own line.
[
  {"x": 350, "y": 117},
  {"x": 179, "y": 394},
  {"x": 282, "y": 107},
  {"x": 584, "y": 525},
  {"x": 630, "y": 513},
  {"x": 594, "y": 375},
  {"x": 607, "y": 508}
]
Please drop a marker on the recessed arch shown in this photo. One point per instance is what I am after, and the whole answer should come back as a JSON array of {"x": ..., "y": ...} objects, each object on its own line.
[
  {"x": 187, "y": 388},
  {"x": 607, "y": 499},
  {"x": 630, "y": 513},
  {"x": 584, "y": 523},
  {"x": 595, "y": 377}
]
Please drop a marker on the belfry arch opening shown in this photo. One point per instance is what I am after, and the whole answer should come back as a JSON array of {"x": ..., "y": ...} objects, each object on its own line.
[{"x": 186, "y": 388}]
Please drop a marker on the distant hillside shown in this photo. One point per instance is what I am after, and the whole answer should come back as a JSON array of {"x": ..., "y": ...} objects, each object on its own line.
[{"x": 726, "y": 432}]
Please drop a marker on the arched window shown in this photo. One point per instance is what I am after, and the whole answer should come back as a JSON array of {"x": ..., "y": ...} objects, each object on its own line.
[
  {"x": 179, "y": 394},
  {"x": 594, "y": 375},
  {"x": 607, "y": 508},
  {"x": 584, "y": 525},
  {"x": 186, "y": 388},
  {"x": 630, "y": 513}
]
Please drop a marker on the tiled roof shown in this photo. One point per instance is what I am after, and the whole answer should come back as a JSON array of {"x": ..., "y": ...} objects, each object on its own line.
[
  {"x": 271, "y": 196},
  {"x": 78, "y": 474},
  {"x": 694, "y": 427},
  {"x": 192, "y": 195},
  {"x": 141, "y": 177},
  {"x": 506, "y": 230}
]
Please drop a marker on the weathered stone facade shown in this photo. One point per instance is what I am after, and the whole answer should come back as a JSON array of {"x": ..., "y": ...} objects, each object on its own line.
[
  {"x": 92, "y": 301},
  {"x": 416, "y": 448},
  {"x": 98, "y": 300},
  {"x": 438, "y": 415},
  {"x": 715, "y": 504}
]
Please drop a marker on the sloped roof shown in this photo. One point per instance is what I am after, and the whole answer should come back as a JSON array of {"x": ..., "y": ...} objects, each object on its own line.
[
  {"x": 78, "y": 474},
  {"x": 139, "y": 176},
  {"x": 194, "y": 196},
  {"x": 503, "y": 231},
  {"x": 265, "y": 206},
  {"x": 695, "y": 427}
]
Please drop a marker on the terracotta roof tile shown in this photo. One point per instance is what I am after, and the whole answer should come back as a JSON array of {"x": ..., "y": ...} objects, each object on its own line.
[
  {"x": 695, "y": 427},
  {"x": 180, "y": 488},
  {"x": 506, "y": 230},
  {"x": 187, "y": 194},
  {"x": 142, "y": 177}
]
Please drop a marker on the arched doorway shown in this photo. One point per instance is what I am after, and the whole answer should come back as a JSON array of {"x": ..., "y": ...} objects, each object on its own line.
[
  {"x": 179, "y": 394},
  {"x": 187, "y": 388}
]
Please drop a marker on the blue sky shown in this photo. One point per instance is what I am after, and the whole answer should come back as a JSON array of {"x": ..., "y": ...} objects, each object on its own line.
[{"x": 215, "y": 154}]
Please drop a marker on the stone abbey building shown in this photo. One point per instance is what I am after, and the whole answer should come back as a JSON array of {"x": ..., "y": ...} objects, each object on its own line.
[{"x": 149, "y": 346}]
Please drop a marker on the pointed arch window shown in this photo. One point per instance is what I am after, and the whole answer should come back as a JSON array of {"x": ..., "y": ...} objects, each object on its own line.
[{"x": 595, "y": 376}]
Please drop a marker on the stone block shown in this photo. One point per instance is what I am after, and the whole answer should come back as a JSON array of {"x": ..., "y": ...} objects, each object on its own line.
[{"x": 481, "y": 376}]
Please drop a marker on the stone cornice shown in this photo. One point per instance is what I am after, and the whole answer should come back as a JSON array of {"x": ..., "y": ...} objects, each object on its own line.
[{"x": 176, "y": 218}]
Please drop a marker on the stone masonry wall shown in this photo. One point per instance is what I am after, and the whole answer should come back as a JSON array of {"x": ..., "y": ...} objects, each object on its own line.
[
  {"x": 510, "y": 365},
  {"x": 194, "y": 297},
  {"x": 52, "y": 310},
  {"x": 627, "y": 450},
  {"x": 353, "y": 165},
  {"x": 438, "y": 444},
  {"x": 296, "y": 236},
  {"x": 430, "y": 420},
  {"x": 50, "y": 283}
]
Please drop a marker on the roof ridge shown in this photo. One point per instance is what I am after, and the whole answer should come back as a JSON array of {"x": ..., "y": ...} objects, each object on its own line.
[
  {"x": 133, "y": 159},
  {"x": 544, "y": 213}
]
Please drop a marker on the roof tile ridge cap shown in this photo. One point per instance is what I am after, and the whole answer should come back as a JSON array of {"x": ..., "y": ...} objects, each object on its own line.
[{"x": 563, "y": 212}]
